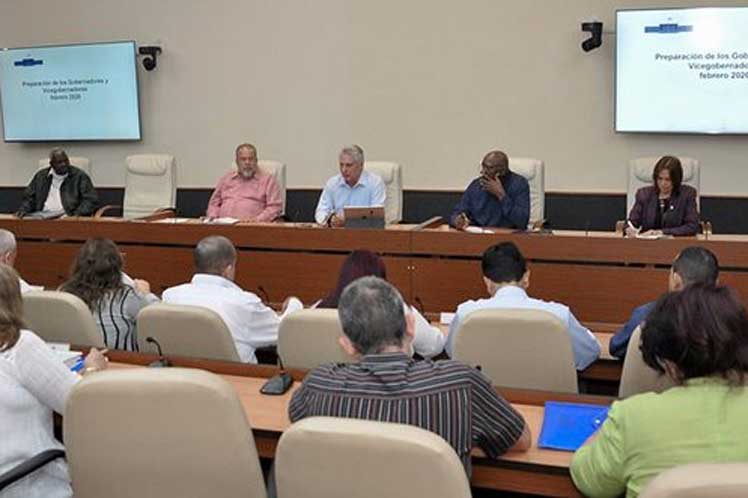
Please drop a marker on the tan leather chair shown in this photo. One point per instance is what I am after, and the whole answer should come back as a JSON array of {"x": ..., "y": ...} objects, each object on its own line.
[
  {"x": 700, "y": 480},
  {"x": 636, "y": 376},
  {"x": 82, "y": 163},
  {"x": 278, "y": 170},
  {"x": 392, "y": 176},
  {"x": 164, "y": 433},
  {"x": 150, "y": 186},
  {"x": 308, "y": 338},
  {"x": 533, "y": 170},
  {"x": 185, "y": 331},
  {"x": 327, "y": 457},
  {"x": 61, "y": 317},
  {"x": 520, "y": 348}
]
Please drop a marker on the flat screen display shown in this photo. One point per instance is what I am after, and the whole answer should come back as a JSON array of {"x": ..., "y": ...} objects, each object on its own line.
[
  {"x": 72, "y": 92},
  {"x": 682, "y": 70}
]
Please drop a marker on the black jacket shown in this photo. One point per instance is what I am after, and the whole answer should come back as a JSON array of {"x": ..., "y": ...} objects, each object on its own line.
[{"x": 76, "y": 192}]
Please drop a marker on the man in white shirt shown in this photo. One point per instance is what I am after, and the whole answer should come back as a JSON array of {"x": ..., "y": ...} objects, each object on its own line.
[
  {"x": 8, "y": 253},
  {"x": 251, "y": 323},
  {"x": 353, "y": 187},
  {"x": 507, "y": 278}
]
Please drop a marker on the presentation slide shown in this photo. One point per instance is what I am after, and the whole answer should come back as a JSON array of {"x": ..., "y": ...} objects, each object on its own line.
[
  {"x": 75, "y": 92},
  {"x": 682, "y": 70}
]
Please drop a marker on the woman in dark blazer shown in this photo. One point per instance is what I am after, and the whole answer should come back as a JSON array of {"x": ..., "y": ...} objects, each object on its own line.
[{"x": 667, "y": 207}]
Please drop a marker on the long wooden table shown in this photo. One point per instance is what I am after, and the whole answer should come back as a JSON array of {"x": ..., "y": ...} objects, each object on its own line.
[
  {"x": 537, "y": 471},
  {"x": 600, "y": 276}
]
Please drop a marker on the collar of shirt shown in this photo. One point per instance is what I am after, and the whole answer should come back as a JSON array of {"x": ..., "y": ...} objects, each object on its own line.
[
  {"x": 55, "y": 176},
  {"x": 208, "y": 279},
  {"x": 398, "y": 357},
  {"x": 510, "y": 292},
  {"x": 363, "y": 181},
  {"x": 237, "y": 176}
]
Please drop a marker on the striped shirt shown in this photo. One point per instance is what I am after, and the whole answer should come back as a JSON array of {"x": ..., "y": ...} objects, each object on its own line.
[
  {"x": 445, "y": 397},
  {"x": 116, "y": 313}
]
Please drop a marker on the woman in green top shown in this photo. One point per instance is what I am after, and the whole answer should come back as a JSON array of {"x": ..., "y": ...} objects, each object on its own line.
[{"x": 699, "y": 337}]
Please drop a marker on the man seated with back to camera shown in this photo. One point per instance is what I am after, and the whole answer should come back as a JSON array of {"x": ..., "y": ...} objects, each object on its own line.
[
  {"x": 693, "y": 265},
  {"x": 497, "y": 198},
  {"x": 252, "y": 324},
  {"x": 507, "y": 279},
  {"x": 387, "y": 385},
  {"x": 60, "y": 189}
]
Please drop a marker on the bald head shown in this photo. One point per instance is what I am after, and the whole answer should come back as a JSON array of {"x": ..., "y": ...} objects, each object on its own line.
[
  {"x": 59, "y": 161},
  {"x": 215, "y": 255},
  {"x": 494, "y": 164}
]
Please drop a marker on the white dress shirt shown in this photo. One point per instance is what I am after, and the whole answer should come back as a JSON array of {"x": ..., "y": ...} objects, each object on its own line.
[
  {"x": 33, "y": 384},
  {"x": 429, "y": 340},
  {"x": 337, "y": 194},
  {"x": 251, "y": 323},
  {"x": 584, "y": 344},
  {"x": 27, "y": 287},
  {"x": 54, "y": 202}
]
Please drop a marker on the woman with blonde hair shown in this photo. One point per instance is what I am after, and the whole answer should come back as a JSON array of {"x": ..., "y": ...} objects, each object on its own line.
[{"x": 33, "y": 383}]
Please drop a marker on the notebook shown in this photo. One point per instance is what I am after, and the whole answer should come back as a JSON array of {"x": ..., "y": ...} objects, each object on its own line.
[{"x": 566, "y": 426}]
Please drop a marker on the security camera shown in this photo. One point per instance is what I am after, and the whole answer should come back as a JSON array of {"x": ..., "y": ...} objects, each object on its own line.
[
  {"x": 151, "y": 52},
  {"x": 595, "y": 28}
]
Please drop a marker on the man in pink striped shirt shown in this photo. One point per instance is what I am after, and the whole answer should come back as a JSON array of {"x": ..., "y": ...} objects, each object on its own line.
[{"x": 248, "y": 193}]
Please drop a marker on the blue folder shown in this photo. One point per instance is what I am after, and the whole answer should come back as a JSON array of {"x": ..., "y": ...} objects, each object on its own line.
[{"x": 566, "y": 426}]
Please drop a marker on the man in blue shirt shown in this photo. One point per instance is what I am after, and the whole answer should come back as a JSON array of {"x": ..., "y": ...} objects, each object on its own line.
[
  {"x": 694, "y": 265},
  {"x": 352, "y": 187},
  {"x": 507, "y": 278},
  {"x": 497, "y": 198}
]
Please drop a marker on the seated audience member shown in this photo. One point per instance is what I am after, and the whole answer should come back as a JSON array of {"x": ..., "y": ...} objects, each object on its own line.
[
  {"x": 497, "y": 198},
  {"x": 387, "y": 385},
  {"x": 8, "y": 253},
  {"x": 251, "y": 323},
  {"x": 698, "y": 338},
  {"x": 59, "y": 189},
  {"x": 507, "y": 278},
  {"x": 34, "y": 382},
  {"x": 353, "y": 187},
  {"x": 97, "y": 279},
  {"x": 428, "y": 341},
  {"x": 667, "y": 207},
  {"x": 248, "y": 193},
  {"x": 694, "y": 265}
]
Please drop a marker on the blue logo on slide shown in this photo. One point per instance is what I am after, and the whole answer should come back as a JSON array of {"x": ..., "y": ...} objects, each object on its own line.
[
  {"x": 28, "y": 62},
  {"x": 668, "y": 28}
]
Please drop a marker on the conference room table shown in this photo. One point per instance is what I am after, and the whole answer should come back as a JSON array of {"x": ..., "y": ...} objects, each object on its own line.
[
  {"x": 537, "y": 471},
  {"x": 601, "y": 276}
]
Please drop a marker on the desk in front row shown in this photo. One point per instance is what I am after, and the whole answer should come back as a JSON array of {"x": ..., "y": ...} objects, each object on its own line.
[
  {"x": 537, "y": 471},
  {"x": 600, "y": 276}
]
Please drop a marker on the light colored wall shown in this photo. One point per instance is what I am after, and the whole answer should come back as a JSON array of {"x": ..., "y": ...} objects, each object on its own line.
[{"x": 431, "y": 84}]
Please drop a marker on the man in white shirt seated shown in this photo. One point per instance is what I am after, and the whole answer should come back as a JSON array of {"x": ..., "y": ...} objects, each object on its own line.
[
  {"x": 8, "y": 253},
  {"x": 507, "y": 278},
  {"x": 252, "y": 324},
  {"x": 353, "y": 187}
]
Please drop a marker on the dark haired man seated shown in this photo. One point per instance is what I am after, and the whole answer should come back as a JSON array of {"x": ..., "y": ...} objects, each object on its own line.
[
  {"x": 694, "y": 265},
  {"x": 387, "y": 385},
  {"x": 507, "y": 278}
]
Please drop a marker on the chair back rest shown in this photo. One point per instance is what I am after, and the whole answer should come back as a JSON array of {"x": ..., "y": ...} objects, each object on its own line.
[
  {"x": 640, "y": 175},
  {"x": 392, "y": 176},
  {"x": 519, "y": 348},
  {"x": 534, "y": 171},
  {"x": 169, "y": 432},
  {"x": 308, "y": 338},
  {"x": 61, "y": 317},
  {"x": 82, "y": 163},
  {"x": 183, "y": 330},
  {"x": 278, "y": 170},
  {"x": 150, "y": 184},
  {"x": 636, "y": 376},
  {"x": 325, "y": 457},
  {"x": 700, "y": 480}
]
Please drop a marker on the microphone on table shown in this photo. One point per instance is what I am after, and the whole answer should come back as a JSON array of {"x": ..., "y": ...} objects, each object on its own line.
[
  {"x": 278, "y": 384},
  {"x": 162, "y": 361}
]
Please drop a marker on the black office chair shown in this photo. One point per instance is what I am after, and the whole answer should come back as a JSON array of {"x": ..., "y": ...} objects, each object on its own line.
[{"x": 27, "y": 467}]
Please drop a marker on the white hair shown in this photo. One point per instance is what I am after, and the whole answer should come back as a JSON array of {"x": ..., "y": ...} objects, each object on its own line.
[
  {"x": 7, "y": 241},
  {"x": 355, "y": 151}
]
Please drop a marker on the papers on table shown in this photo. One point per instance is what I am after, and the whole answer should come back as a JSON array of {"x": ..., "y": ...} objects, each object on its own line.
[
  {"x": 472, "y": 229},
  {"x": 446, "y": 318},
  {"x": 222, "y": 221},
  {"x": 173, "y": 220},
  {"x": 649, "y": 236}
]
